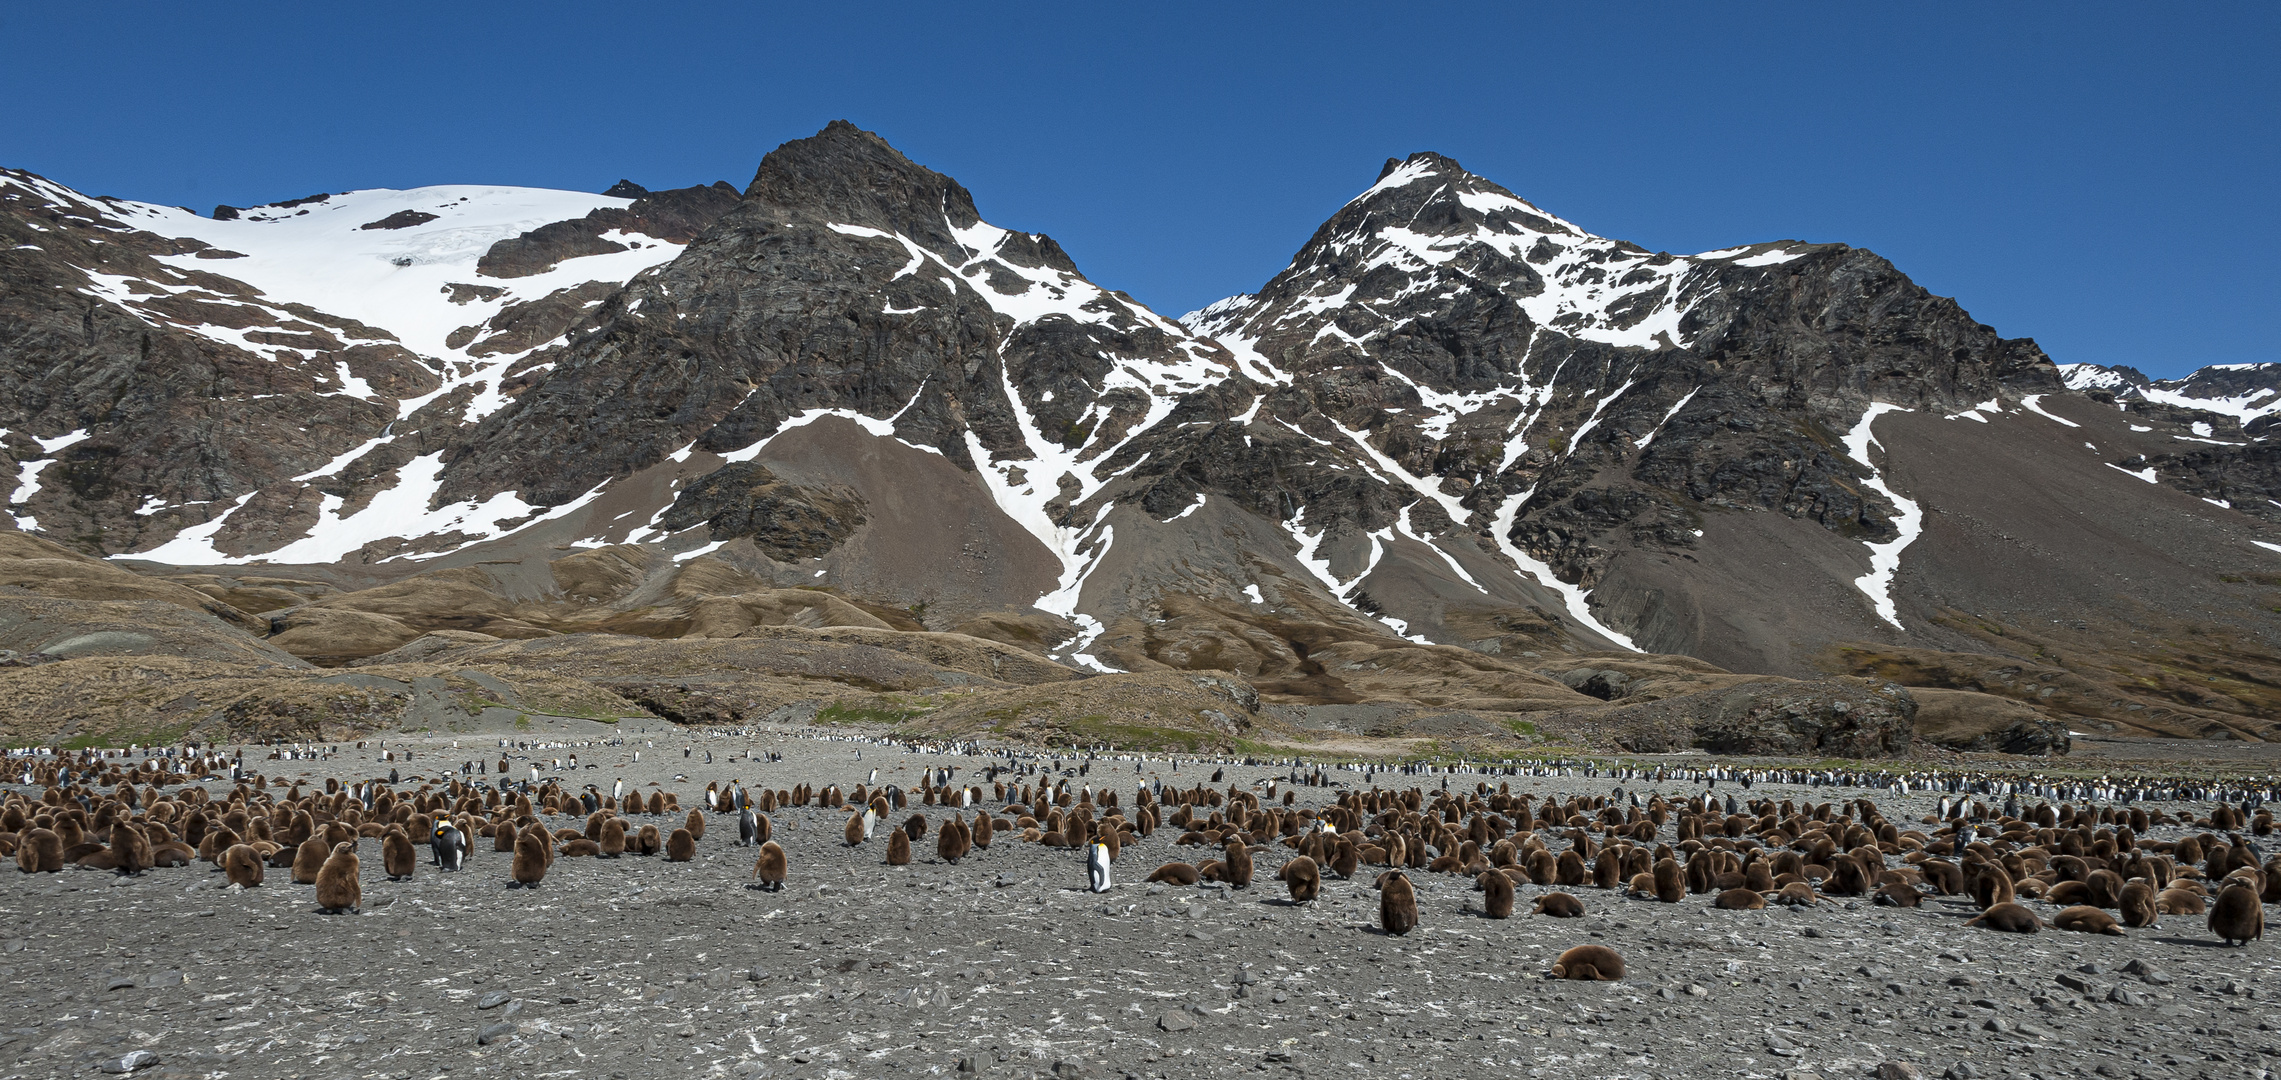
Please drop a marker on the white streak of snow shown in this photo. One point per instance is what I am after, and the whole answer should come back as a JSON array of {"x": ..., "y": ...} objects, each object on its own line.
[{"x": 1885, "y": 558}]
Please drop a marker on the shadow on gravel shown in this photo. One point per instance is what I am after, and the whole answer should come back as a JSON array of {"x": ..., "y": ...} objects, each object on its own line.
[{"x": 2199, "y": 943}]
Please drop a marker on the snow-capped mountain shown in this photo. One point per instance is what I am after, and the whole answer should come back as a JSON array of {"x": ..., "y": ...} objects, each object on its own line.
[
  {"x": 1454, "y": 419},
  {"x": 2249, "y": 393},
  {"x": 366, "y": 320}
]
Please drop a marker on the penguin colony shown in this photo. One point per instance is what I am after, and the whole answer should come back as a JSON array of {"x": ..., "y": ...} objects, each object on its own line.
[{"x": 2090, "y": 866}]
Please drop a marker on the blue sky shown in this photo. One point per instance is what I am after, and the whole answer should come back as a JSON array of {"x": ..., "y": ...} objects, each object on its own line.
[{"x": 2099, "y": 178}]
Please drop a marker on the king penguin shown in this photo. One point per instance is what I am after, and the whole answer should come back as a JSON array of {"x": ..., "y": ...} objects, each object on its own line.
[
  {"x": 450, "y": 847},
  {"x": 1097, "y": 867}
]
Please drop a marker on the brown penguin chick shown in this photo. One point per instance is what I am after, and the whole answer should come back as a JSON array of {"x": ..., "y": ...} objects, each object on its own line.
[
  {"x": 1303, "y": 878},
  {"x": 1848, "y": 877},
  {"x": 1739, "y": 899},
  {"x": 1175, "y": 873},
  {"x": 242, "y": 864},
  {"x": 2068, "y": 893},
  {"x": 531, "y": 848},
  {"x": 1608, "y": 869},
  {"x": 1397, "y": 903},
  {"x": 1346, "y": 860},
  {"x": 681, "y": 846},
  {"x": 397, "y": 855},
  {"x": 1558, "y": 905},
  {"x": 2177, "y": 901},
  {"x": 128, "y": 853},
  {"x": 581, "y": 848},
  {"x": 613, "y": 838},
  {"x": 2105, "y": 888},
  {"x": 695, "y": 824},
  {"x": 2009, "y": 919},
  {"x": 1758, "y": 876},
  {"x": 2238, "y": 917},
  {"x": 916, "y": 827},
  {"x": 1992, "y": 886},
  {"x": 648, "y": 841},
  {"x": 1212, "y": 870},
  {"x": 852, "y": 832},
  {"x": 1797, "y": 894},
  {"x": 899, "y": 847},
  {"x": 1945, "y": 877},
  {"x": 982, "y": 831},
  {"x": 951, "y": 843},
  {"x": 338, "y": 889},
  {"x": 503, "y": 837},
  {"x": 1670, "y": 881},
  {"x": 2137, "y": 904},
  {"x": 768, "y": 869},
  {"x": 1568, "y": 870},
  {"x": 1544, "y": 867},
  {"x": 1238, "y": 862},
  {"x": 1898, "y": 894},
  {"x": 2085, "y": 919},
  {"x": 310, "y": 858},
  {"x": 1589, "y": 963},
  {"x": 1496, "y": 894}
]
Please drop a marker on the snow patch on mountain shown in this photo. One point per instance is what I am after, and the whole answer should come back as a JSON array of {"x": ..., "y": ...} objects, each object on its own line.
[
  {"x": 2242, "y": 391},
  {"x": 1885, "y": 558}
]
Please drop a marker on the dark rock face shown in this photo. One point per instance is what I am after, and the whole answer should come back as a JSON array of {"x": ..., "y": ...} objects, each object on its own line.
[
  {"x": 675, "y": 216},
  {"x": 1826, "y": 718},
  {"x": 786, "y": 521},
  {"x": 847, "y": 278},
  {"x": 2246, "y": 478},
  {"x": 401, "y": 219}
]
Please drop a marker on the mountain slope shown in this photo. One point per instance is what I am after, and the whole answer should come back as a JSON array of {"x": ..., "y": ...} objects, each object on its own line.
[
  {"x": 287, "y": 358},
  {"x": 1457, "y": 448}
]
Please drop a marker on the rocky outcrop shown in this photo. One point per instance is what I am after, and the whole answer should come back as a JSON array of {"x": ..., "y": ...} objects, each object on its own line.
[
  {"x": 1963, "y": 720},
  {"x": 787, "y": 522},
  {"x": 1841, "y": 718},
  {"x": 675, "y": 216},
  {"x": 2243, "y": 478}
]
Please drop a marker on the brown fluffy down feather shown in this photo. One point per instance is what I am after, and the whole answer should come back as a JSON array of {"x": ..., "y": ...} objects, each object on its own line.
[
  {"x": 338, "y": 887},
  {"x": 1588, "y": 963},
  {"x": 1397, "y": 904},
  {"x": 1558, "y": 905},
  {"x": 769, "y": 869},
  {"x": 2008, "y": 918},
  {"x": 1176, "y": 873},
  {"x": 1302, "y": 878}
]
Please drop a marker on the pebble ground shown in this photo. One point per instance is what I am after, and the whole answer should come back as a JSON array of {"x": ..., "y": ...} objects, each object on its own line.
[{"x": 1004, "y": 966}]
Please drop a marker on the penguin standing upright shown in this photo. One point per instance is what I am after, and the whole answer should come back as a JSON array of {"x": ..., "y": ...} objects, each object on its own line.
[
  {"x": 748, "y": 828},
  {"x": 1097, "y": 867},
  {"x": 450, "y": 847}
]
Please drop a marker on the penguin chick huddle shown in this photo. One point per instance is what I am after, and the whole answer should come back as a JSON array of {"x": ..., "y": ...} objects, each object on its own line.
[{"x": 96, "y": 817}]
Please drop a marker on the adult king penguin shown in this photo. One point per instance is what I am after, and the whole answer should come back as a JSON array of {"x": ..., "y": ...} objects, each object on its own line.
[
  {"x": 450, "y": 847},
  {"x": 1097, "y": 867}
]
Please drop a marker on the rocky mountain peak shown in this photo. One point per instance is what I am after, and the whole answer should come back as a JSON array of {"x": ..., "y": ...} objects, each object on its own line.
[{"x": 847, "y": 175}]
